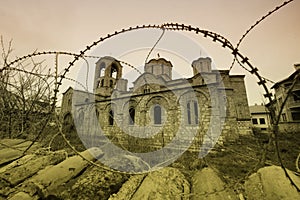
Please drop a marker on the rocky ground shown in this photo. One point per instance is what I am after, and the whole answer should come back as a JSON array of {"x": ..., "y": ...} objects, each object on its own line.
[{"x": 227, "y": 172}]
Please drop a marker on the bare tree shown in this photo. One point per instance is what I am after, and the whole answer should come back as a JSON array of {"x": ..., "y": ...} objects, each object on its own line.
[{"x": 25, "y": 95}]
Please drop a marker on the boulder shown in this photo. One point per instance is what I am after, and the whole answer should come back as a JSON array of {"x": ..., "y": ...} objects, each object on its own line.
[
  {"x": 47, "y": 181},
  {"x": 207, "y": 185},
  {"x": 12, "y": 149},
  {"x": 19, "y": 173},
  {"x": 271, "y": 183},
  {"x": 128, "y": 188},
  {"x": 95, "y": 183},
  {"x": 167, "y": 183},
  {"x": 125, "y": 163}
]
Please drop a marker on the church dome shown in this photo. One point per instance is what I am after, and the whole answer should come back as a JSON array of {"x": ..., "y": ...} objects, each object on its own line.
[{"x": 160, "y": 67}]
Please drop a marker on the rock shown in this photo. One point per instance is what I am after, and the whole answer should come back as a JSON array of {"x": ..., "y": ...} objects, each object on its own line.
[
  {"x": 5, "y": 186},
  {"x": 128, "y": 188},
  {"x": 23, "y": 196},
  {"x": 270, "y": 183},
  {"x": 11, "y": 153},
  {"x": 95, "y": 183},
  {"x": 4, "y": 143},
  {"x": 17, "y": 163},
  {"x": 167, "y": 183},
  {"x": 18, "y": 174},
  {"x": 207, "y": 185},
  {"x": 8, "y": 155},
  {"x": 126, "y": 163},
  {"x": 49, "y": 179}
]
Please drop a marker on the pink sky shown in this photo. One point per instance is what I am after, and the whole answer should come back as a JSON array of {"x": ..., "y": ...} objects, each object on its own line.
[{"x": 70, "y": 25}]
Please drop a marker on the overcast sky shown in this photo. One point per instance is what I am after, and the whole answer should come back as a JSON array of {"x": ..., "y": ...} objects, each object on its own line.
[{"x": 70, "y": 25}]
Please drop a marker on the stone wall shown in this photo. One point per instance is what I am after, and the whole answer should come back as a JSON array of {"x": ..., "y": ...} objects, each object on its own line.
[{"x": 143, "y": 135}]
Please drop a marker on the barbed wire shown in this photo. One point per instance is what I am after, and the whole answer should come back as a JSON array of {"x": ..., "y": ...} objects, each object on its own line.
[
  {"x": 59, "y": 126},
  {"x": 41, "y": 75},
  {"x": 173, "y": 26},
  {"x": 155, "y": 44},
  {"x": 242, "y": 60},
  {"x": 226, "y": 44},
  {"x": 271, "y": 109},
  {"x": 262, "y": 19},
  {"x": 255, "y": 24},
  {"x": 276, "y": 131},
  {"x": 168, "y": 26},
  {"x": 131, "y": 66}
]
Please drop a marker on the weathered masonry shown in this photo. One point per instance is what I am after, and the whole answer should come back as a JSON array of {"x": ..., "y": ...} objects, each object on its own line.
[{"x": 157, "y": 108}]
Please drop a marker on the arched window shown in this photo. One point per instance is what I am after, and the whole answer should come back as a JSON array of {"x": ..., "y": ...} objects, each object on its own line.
[
  {"x": 189, "y": 113},
  {"x": 146, "y": 89},
  {"x": 102, "y": 82},
  {"x": 102, "y": 70},
  {"x": 196, "y": 112},
  {"x": 111, "y": 83},
  {"x": 97, "y": 113},
  {"x": 157, "y": 114},
  {"x": 131, "y": 116},
  {"x": 113, "y": 71},
  {"x": 192, "y": 112},
  {"x": 111, "y": 117}
]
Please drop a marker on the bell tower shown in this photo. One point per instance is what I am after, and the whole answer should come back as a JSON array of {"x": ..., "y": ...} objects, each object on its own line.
[{"x": 108, "y": 71}]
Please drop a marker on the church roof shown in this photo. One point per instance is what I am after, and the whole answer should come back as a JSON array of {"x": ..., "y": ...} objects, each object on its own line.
[{"x": 160, "y": 60}]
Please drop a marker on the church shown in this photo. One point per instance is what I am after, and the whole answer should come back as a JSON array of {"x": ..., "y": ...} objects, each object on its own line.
[{"x": 208, "y": 107}]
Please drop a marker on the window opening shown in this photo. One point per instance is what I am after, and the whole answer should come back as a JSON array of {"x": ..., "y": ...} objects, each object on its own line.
[
  {"x": 262, "y": 121},
  {"x": 189, "y": 113},
  {"x": 254, "y": 121},
  {"x": 111, "y": 117},
  {"x": 196, "y": 112},
  {"x": 157, "y": 114},
  {"x": 131, "y": 116}
]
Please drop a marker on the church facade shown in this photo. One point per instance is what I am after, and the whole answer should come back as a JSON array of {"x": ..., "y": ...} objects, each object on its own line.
[{"x": 158, "y": 108}]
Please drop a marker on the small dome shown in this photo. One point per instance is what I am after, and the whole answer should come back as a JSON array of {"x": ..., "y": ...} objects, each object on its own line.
[
  {"x": 201, "y": 65},
  {"x": 160, "y": 67},
  {"x": 160, "y": 61}
]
